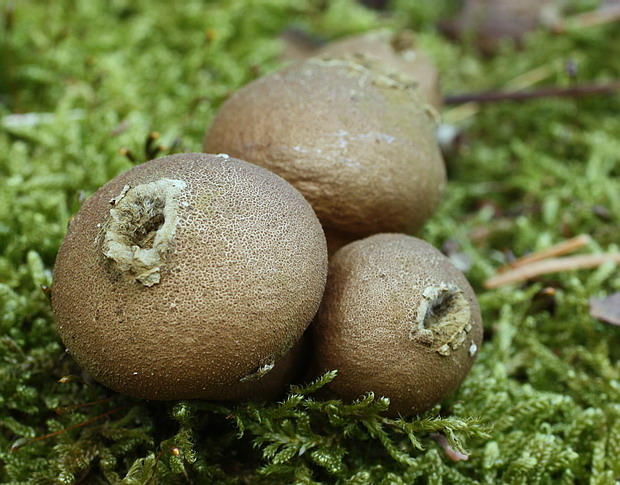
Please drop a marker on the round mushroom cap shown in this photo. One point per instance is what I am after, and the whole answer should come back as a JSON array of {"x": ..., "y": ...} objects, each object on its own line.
[
  {"x": 399, "y": 52},
  {"x": 397, "y": 319},
  {"x": 189, "y": 276},
  {"x": 358, "y": 143}
]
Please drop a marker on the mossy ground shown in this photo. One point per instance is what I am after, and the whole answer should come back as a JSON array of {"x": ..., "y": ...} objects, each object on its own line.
[{"x": 542, "y": 404}]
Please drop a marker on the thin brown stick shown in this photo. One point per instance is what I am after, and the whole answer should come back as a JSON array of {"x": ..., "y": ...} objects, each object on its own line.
[
  {"x": 559, "y": 249},
  {"x": 553, "y": 265},
  {"x": 61, "y": 431},
  {"x": 522, "y": 81},
  {"x": 600, "y": 16},
  {"x": 576, "y": 90},
  {"x": 68, "y": 409}
]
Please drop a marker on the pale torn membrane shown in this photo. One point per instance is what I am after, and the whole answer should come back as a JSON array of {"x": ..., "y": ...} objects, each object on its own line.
[
  {"x": 266, "y": 365},
  {"x": 140, "y": 227},
  {"x": 443, "y": 318}
]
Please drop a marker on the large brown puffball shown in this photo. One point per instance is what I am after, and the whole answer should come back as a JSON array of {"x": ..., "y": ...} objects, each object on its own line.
[
  {"x": 355, "y": 140},
  {"x": 190, "y": 276},
  {"x": 397, "y": 319}
]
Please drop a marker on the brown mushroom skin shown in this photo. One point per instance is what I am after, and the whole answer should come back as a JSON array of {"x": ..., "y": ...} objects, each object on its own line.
[
  {"x": 273, "y": 384},
  {"x": 190, "y": 276},
  {"x": 359, "y": 144},
  {"x": 397, "y": 319},
  {"x": 399, "y": 52}
]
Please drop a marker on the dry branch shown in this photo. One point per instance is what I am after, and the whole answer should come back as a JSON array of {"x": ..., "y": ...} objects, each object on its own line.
[
  {"x": 553, "y": 265},
  {"x": 576, "y": 90},
  {"x": 559, "y": 249}
]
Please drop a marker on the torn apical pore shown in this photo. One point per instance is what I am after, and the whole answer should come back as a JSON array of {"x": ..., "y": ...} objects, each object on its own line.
[
  {"x": 140, "y": 226},
  {"x": 443, "y": 318}
]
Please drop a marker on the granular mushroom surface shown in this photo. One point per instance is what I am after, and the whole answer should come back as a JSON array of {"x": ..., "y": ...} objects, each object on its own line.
[
  {"x": 356, "y": 140},
  {"x": 397, "y": 319},
  {"x": 398, "y": 51},
  {"x": 189, "y": 276}
]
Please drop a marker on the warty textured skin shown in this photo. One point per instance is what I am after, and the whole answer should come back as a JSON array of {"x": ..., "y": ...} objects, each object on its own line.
[
  {"x": 242, "y": 278},
  {"x": 358, "y": 144},
  {"x": 366, "y": 327},
  {"x": 396, "y": 51}
]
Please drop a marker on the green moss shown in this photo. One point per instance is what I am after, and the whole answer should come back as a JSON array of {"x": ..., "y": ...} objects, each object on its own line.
[{"x": 542, "y": 404}]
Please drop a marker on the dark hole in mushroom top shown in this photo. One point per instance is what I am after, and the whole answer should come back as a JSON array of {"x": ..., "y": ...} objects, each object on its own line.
[
  {"x": 142, "y": 218},
  {"x": 439, "y": 309},
  {"x": 444, "y": 318},
  {"x": 145, "y": 234}
]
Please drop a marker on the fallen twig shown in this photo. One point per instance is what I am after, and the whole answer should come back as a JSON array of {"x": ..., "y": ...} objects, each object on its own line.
[
  {"x": 575, "y": 91},
  {"x": 26, "y": 441},
  {"x": 552, "y": 265},
  {"x": 600, "y": 16},
  {"x": 20, "y": 120},
  {"x": 522, "y": 81},
  {"x": 559, "y": 249}
]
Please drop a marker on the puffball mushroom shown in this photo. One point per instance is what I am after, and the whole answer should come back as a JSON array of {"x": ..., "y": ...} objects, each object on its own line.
[
  {"x": 190, "y": 276},
  {"x": 397, "y": 319},
  {"x": 355, "y": 140},
  {"x": 492, "y": 22}
]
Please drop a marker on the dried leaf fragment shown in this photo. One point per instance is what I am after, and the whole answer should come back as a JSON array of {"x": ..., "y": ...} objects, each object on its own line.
[
  {"x": 606, "y": 309},
  {"x": 454, "y": 455}
]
